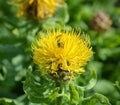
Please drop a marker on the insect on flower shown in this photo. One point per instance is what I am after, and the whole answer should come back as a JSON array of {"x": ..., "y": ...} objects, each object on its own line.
[{"x": 62, "y": 53}]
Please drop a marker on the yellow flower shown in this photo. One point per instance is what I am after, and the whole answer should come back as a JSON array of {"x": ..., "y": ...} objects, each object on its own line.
[
  {"x": 38, "y": 8},
  {"x": 62, "y": 50}
]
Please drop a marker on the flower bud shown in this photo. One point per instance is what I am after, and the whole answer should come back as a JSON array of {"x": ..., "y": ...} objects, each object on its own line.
[{"x": 100, "y": 22}]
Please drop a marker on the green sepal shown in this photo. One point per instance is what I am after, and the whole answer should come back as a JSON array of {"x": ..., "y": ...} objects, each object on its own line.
[
  {"x": 54, "y": 94},
  {"x": 74, "y": 96}
]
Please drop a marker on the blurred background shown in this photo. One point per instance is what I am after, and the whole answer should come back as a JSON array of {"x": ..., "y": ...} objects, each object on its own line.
[{"x": 100, "y": 19}]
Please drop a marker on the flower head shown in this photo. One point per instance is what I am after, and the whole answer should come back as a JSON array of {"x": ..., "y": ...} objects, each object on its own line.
[
  {"x": 38, "y": 8},
  {"x": 100, "y": 22},
  {"x": 62, "y": 51}
]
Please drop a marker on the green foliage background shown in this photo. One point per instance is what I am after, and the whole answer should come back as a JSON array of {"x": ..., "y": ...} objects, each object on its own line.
[{"x": 17, "y": 34}]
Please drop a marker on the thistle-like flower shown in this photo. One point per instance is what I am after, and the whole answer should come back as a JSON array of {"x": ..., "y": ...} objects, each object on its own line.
[
  {"x": 38, "y": 9},
  {"x": 100, "y": 22},
  {"x": 62, "y": 53}
]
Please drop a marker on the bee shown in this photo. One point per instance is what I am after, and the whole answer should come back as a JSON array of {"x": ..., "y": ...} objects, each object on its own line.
[{"x": 66, "y": 78}]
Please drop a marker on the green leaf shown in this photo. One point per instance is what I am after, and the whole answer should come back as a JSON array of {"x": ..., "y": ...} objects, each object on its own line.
[
  {"x": 62, "y": 14},
  {"x": 117, "y": 85},
  {"x": 96, "y": 99},
  {"x": 92, "y": 81},
  {"x": 39, "y": 88},
  {"x": 104, "y": 87},
  {"x": 3, "y": 72},
  {"x": 6, "y": 101}
]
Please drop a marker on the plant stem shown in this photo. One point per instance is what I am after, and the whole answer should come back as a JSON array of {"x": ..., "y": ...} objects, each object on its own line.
[{"x": 59, "y": 99}]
